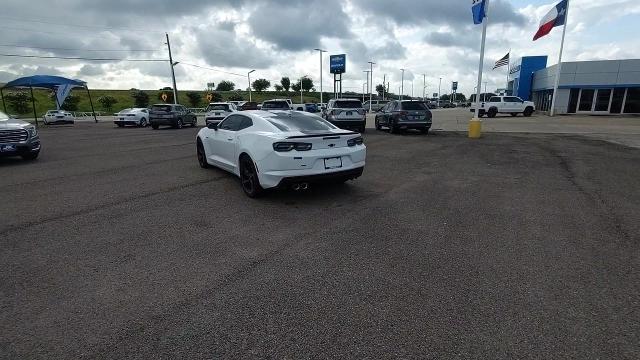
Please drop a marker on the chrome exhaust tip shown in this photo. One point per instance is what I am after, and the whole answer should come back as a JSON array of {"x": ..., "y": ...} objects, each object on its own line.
[
  {"x": 304, "y": 186},
  {"x": 296, "y": 187}
]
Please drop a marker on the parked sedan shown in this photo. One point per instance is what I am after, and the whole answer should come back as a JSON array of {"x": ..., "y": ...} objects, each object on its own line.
[
  {"x": 173, "y": 115},
  {"x": 58, "y": 117},
  {"x": 215, "y": 112},
  {"x": 403, "y": 115},
  {"x": 18, "y": 138},
  {"x": 269, "y": 149},
  {"x": 133, "y": 116}
]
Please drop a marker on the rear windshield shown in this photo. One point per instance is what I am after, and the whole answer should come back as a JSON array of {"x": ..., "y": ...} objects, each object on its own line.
[
  {"x": 300, "y": 122},
  {"x": 161, "y": 107},
  {"x": 218, "y": 107},
  {"x": 275, "y": 105},
  {"x": 348, "y": 104},
  {"x": 413, "y": 105}
]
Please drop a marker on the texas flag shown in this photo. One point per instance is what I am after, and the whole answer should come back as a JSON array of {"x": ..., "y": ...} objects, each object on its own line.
[{"x": 555, "y": 17}]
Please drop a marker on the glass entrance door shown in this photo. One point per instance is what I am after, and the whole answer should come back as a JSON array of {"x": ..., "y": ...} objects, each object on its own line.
[
  {"x": 603, "y": 99},
  {"x": 586, "y": 100}
]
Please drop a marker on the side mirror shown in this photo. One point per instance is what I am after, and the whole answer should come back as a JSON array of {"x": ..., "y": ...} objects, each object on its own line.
[{"x": 212, "y": 126}]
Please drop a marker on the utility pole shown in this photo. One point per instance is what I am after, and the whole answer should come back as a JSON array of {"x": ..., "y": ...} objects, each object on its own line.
[
  {"x": 321, "y": 51},
  {"x": 384, "y": 82},
  {"x": 402, "y": 84},
  {"x": 439, "y": 89},
  {"x": 424, "y": 87},
  {"x": 249, "y": 80},
  {"x": 173, "y": 74},
  {"x": 371, "y": 88}
]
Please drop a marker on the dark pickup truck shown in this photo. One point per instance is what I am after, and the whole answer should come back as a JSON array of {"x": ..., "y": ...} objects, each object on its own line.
[{"x": 173, "y": 115}]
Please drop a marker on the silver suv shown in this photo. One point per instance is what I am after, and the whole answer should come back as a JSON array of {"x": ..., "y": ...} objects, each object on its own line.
[
  {"x": 18, "y": 138},
  {"x": 346, "y": 114}
]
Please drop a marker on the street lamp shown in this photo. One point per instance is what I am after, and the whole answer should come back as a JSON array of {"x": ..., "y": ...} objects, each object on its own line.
[
  {"x": 411, "y": 89},
  {"x": 302, "y": 77},
  {"x": 424, "y": 87},
  {"x": 485, "y": 87},
  {"x": 439, "y": 88},
  {"x": 363, "y": 90},
  {"x": 249, "y": 79},
  {"x": 371, "y": 88},
  {"x": 367, "y": 72},
  {"x": 402, "y": 84},
  {"x": 320, "y": 51}
]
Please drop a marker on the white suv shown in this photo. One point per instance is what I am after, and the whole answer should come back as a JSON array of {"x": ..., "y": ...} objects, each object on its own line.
[
  {"x": 505, "y": 105},
  {"x": 346, "y": 113},
  {"x": 216, "y": 112}
]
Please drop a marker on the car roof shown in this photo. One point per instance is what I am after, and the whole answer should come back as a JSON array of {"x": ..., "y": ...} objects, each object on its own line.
[{"x": 220, "y": 103}]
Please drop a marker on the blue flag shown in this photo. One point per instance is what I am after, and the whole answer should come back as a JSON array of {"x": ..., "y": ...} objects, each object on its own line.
[{"x": 478, "y": 10}]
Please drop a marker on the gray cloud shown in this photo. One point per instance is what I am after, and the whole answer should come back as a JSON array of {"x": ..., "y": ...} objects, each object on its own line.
[
  {"x": 299, "y": 25},
  {"x": 220, "y": 47},
  {"x": 419, "y": 12},
  {"x": 91, "y": 70},
  {"x": 448, "y": 39}
]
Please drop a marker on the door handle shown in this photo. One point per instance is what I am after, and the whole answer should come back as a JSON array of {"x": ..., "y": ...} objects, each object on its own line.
[{"x": 230, "y": 139}]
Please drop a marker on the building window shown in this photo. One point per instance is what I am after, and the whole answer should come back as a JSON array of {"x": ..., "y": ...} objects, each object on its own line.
[
  {"x": 632, "y": 105},
  {"x": 617, "y": 100},
  {"x": 573, "y": 101}
]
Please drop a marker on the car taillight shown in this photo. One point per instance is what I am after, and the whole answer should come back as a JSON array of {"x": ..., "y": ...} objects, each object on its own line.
[
  {"x": 288, "y": 146},
  {"x": 355, "y": 141},
  {"x": 404, "y": 113},
  {"x": 335, "y": 112}
]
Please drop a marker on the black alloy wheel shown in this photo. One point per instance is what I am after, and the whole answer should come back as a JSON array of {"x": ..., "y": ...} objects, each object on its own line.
[
  {"x": 202, "y": 157},
  {"x": 249, "y": 178}
]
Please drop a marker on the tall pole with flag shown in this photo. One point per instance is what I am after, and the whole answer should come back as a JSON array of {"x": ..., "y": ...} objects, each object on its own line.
[
  {"x": 479, "y": 9},
  {"x": 557, "y": 16}
]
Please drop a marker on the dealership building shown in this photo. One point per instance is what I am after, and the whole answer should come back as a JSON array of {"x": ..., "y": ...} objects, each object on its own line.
[{"x": 585, "y": 87}]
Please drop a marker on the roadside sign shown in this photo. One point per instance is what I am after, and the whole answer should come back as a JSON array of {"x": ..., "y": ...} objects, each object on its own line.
[
  {"x": 435, "y": 95},
  {"x": 454, "y": 86},
  {"x": 209, "y": 97},
  {"x": 338, "y": 64},
  {"x": 164, "y": 97}
]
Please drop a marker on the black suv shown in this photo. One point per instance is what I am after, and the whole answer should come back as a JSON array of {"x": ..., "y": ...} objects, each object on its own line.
[
  {"x": 18, "y": 138},
  {"x": 173, "y": 115}
]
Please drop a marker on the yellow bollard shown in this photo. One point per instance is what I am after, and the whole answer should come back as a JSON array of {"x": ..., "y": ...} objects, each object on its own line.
[{"x": 475, "y": 128}]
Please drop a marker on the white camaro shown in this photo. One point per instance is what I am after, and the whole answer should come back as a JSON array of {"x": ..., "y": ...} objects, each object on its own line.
[
  {"x": 58, "y": 117},
  {"x": 133, "y": 116},
  {"x": 278, "y": 148}
]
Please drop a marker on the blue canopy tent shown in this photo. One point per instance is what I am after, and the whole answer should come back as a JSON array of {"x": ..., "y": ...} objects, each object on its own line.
[{"x": 45, "y": 82}]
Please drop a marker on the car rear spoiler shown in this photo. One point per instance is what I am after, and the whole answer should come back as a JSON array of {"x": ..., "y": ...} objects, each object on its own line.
[{"x": 329, "y": 135}]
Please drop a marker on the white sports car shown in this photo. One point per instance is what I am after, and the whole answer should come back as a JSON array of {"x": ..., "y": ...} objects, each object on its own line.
[
  {"x": 132, "y": 116},
  {"x": 58, "y": 117},
  {"x": 269, "y": 149}
]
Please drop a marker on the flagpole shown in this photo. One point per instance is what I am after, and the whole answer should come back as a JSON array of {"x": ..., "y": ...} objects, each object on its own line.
[
  {"x": 508, "y": 69},
  {"x": 475, "y": 125},
  {"x": 559, "y": 67}
]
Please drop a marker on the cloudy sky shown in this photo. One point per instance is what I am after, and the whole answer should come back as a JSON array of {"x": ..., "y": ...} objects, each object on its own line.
[{"x": 227, "y": 38}]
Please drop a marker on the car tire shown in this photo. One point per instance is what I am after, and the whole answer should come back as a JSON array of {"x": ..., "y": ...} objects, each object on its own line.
[
  {"x": 194, "y": 123},
  {"x": 202, "y": 157},
  {"x": 178, "y": 124},
  {"x": 31, "y": 156},
  {"x": 362, "y": 129},
  {"x": 143, "y": 122},
  {"x": 528, "y": 112},
  {"x": 424, "y": 131},
  {"x": 514, "y": 114},
  {"x": 155, "y": 126},
  {"x": 378, "y": 127},
  {"x": 392, "y": 128},
  {"x": 249, "y": 178},
  {"x": 492, "y": 113},
  {"x": 120, "y": 125}
]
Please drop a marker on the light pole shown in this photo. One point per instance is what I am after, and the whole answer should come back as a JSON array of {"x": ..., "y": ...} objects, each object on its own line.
[
  {"x": 320, "y": 51},
  {"x": 249, "y": 79},
  {"x": 367, "y": 72},
  {"x": 384, "y": 81},
  {"x": 402, "y": 84},
  {"x": 439, "y": 88},
  {"x": 411, "y": 89},
  {"x": 485, "y": 88},
  {"x": 363, "y": 85},
  {"x": 424, "y": 87},
  {"x": 371, "y": 88}
]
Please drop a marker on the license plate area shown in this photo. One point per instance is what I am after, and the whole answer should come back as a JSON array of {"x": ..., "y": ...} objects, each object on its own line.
[
  {"x": 333, "y": 163},
  {"x": 349, "y": 113},
  {"x": 7, "y": 148}
]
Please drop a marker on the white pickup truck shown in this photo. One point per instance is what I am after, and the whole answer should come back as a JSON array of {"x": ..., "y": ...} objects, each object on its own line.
[{"x": 504, "y": 105}]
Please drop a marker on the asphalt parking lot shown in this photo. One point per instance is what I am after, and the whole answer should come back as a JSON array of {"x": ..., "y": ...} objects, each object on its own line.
[{"x": 115, "y": 244}]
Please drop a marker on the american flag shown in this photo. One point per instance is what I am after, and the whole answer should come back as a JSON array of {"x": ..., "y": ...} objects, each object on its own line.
[{"x": 502, "y": 62}]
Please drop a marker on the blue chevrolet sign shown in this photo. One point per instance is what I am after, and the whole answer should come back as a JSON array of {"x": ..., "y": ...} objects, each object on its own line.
[{"x": 338, "y": 64}]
